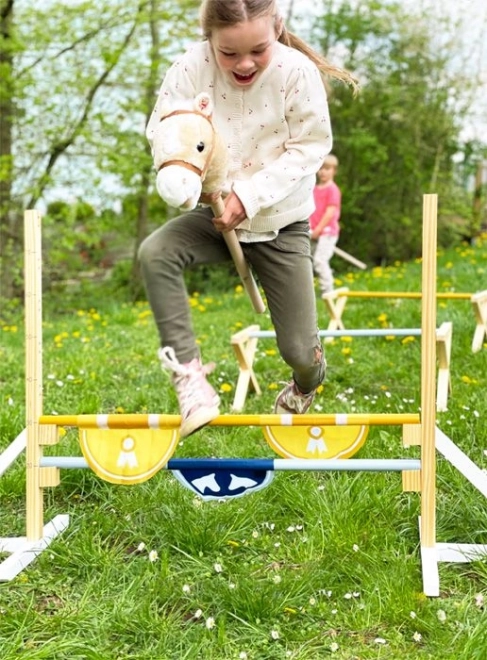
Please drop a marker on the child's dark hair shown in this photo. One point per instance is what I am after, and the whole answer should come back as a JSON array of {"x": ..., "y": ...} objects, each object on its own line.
[{"x": 217, "y": 14}]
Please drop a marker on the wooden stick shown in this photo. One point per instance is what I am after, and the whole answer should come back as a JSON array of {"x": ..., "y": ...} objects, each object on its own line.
[
  {"x": 348, "y": 257},
  {"x": 238, "y": 257}
]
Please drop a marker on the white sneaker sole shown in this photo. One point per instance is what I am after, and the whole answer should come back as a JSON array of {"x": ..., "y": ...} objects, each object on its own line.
[{"x": 197, "y": 420}]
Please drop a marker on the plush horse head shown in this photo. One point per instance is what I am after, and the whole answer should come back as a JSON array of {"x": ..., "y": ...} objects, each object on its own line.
[{"x": 189, "y": 156}]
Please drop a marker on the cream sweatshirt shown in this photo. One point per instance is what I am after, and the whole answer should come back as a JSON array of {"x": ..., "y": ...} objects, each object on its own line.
[{"x": 277, "y": 130}]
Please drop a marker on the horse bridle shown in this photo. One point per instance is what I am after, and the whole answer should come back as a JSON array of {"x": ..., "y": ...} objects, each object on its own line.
[{"x": 183, "y": 163}]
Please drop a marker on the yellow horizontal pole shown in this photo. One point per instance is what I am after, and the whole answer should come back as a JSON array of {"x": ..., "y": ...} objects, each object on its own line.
[
  {"x": 400, "y": 294},
  {"x": 123, "y": 421}
]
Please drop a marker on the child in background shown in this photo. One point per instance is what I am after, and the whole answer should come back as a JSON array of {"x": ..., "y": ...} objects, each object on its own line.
[
  {"x": 271, "y": 109},
  {"x": 324, "y": 221}
]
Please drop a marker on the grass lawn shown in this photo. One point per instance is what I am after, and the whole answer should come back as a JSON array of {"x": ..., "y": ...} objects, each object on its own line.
[{"x": 315, "y": 565}]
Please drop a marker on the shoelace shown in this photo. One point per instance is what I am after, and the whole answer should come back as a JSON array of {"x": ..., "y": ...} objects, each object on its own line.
[{"x": 169, "y": 361}]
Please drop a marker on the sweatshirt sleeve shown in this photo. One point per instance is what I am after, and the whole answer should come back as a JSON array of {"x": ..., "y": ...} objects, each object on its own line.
[{"x": 308, "y": 141}]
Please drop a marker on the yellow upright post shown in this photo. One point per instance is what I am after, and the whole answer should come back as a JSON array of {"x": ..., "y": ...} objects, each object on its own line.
[
  {"x": 33, "y": 371},
  {"x": 428, "y": 408}
]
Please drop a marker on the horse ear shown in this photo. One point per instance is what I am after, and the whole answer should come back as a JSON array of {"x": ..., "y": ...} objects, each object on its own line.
[{"x": 204, "y": 104}]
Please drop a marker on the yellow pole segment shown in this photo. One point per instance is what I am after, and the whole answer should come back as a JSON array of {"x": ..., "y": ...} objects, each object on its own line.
[
  {"x": 428, "y": 365},
  {"x": 33, "y": 372},
  {"x": 401, "y": 294}
]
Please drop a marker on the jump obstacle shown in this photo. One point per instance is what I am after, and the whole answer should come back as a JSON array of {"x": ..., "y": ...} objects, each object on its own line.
[
  {"x": 244, "y": 344},
  {"x": 335, "y": 302},
  {"x": 131, "y": 448}
]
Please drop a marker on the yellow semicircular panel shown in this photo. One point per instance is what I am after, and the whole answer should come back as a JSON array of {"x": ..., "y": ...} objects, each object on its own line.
[
  {"x": 315, "y": 441},
  {"x": 127, "y": 456}
]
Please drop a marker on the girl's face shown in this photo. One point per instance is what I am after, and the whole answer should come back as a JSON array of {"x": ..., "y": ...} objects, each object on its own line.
[{"x": 242, "y": 51}]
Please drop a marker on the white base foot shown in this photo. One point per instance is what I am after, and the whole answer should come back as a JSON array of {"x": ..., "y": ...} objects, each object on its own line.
[{"x": 23, "y": 552}]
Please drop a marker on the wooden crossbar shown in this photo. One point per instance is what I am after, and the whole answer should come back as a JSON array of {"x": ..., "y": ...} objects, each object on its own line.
[
  {"x": 244, "y": 344},
  {"x": 335, "y": 302}
]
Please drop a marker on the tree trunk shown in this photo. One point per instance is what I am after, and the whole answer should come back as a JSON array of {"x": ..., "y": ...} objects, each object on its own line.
[{"x": 10, "y": 224}]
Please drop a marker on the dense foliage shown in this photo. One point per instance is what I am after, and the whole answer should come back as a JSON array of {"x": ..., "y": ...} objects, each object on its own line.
[{"x": 79, "y": 81}]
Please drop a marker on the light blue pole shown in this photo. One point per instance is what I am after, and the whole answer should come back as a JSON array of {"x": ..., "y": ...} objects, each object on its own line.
[{"x": 276, "y": 464}]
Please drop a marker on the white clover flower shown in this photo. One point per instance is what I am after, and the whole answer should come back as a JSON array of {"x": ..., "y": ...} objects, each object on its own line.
[
  {"x": 417, "y": 636},
  {"x": 355, "y": 547},
  {"x": 10, "y": 401},
  {"x": 412, "y": 615},
  {"x": 243, "y": 655},
  {"x": 255, "y": 534},
  {"x": 153, "y": 556},
  {"x": 334, "y": 647},
  {"x": 277, "y": 545},
  {"x": 218, "y": 568},
  {"x": 186, "y": 589},
  {"x": 348, "y": 596},
  {"x": 291, "y": 529},
  {"x": 276, "y": 579},
  {"x": 441, "y": 614},
  {"x": 210, "y": 622},
  {"x": 141, "y": 547},
  {"x": 380, "y": 640},
  {"x": 312, "y": 601},
  {"x": 198, "y": 614},
  {"x": 479, "y": 600},
  {"x": 275, "y": 634}
]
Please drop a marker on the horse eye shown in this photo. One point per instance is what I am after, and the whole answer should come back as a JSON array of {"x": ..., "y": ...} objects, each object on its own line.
[{"x": 200, "y": 147}]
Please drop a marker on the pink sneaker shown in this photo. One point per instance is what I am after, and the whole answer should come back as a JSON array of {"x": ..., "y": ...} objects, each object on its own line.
[
  {"x": 198, "y": 401},
  {"x": 293, "y": 402}
]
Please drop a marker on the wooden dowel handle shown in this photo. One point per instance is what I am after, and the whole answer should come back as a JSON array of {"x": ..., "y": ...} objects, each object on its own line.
[{"x": 242, "y": 266}]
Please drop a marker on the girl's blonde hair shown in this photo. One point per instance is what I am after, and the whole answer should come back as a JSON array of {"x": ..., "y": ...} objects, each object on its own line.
[{"x": 217, "y": 14}]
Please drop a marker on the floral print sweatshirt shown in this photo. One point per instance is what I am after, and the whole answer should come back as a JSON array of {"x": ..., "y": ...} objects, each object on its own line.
[{"x": 277, "y": 130}]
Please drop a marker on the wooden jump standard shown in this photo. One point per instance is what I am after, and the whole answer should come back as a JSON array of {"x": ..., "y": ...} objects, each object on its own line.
[
  {"x": 336, "y": 300},
  {"x": 244, "y": 344},
  {"x": 43, "y": 472}
]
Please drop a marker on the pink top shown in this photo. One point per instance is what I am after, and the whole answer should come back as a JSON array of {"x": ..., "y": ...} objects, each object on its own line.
[{"x": 324, "y": 197}]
